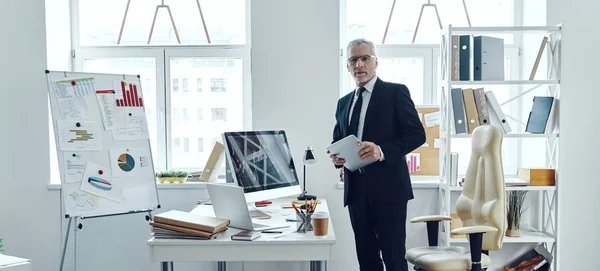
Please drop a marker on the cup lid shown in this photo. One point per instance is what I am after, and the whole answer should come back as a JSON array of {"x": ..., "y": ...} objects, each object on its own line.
[{"x": 320, "y": 215}]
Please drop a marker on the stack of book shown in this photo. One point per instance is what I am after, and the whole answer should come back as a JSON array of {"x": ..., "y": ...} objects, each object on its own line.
[{"x": 176, "y": 224}]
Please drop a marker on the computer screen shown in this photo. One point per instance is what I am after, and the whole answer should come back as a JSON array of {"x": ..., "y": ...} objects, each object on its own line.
[{"x": 261, "y": 163}]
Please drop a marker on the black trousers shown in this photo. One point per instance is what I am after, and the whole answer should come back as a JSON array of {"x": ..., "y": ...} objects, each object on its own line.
[{"x": 379, "y": 230}]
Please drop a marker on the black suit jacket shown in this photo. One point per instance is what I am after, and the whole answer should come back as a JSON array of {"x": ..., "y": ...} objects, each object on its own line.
[{"x": 392, "y": 123}]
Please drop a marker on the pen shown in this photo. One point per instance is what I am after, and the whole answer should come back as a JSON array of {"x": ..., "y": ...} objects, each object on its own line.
[{"x": 272, "y": 231}]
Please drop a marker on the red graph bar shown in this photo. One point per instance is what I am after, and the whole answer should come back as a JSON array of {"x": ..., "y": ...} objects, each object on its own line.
[
  {"x": 412, "y": 163},
  {"x": 124, "y": 94},
  {"x": 135, "y": 96},
  {"x": 140, "y": 101},
  {"x": 131, "y": 102}
]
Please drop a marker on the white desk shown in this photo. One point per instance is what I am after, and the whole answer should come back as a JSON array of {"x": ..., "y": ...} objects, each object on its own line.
[
  {"x": 11, "y": 263},
  {"x": 269, "y": 247}
]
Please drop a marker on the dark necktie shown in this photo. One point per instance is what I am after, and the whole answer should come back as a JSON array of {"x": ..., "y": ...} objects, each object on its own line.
[{"x": 353, "y": 127}]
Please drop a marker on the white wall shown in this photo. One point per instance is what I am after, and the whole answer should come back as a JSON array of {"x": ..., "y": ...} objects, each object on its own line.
[
  {"x": 29, "y": 214},
  {"x": 295, "y": 86},
  {"x": 578, "y": 185}
]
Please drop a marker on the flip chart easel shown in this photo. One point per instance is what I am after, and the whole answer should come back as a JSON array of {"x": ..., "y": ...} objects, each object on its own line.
[{"x": 103, "y": 146}]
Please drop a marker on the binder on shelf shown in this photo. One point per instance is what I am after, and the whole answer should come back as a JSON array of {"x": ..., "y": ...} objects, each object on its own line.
[
  {"x": 458, "y": 111},
  {"x": 539, "y": 115},
  {"x": 538, "y": 58},
  {"x": 488, "y": 58},
  {"x": 497, "y": 117},
  {"x": 482, "y": 107},
  {"x": 551, "y": 124},
  {"x": 465, "y": 58},
  {"x": 454, "y": 169},
  {"x": 470, "y": 109},
  {"x": 454, "y": 65}
]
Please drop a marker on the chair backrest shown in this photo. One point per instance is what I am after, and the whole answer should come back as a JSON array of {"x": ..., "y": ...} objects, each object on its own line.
[{"x": 483, "y": 199}]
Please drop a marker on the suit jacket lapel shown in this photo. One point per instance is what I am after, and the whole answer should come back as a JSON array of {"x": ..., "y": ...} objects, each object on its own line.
[
  {"x": 345, "y": 115},
  {"x": 373, "y": 102}
]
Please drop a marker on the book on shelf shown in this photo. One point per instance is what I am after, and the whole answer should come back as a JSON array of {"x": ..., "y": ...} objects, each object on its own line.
[
  {"x": 192, "y": 221},
  {"x": 246, "y": 235},
  {"x": 538, "y": 258},
  {"x": 538, "y": 58},
  {"x": 541, "y": 118}
]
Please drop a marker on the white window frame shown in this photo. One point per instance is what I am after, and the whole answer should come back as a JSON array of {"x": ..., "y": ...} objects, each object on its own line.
[
  {"x": 162, "y": 55},
  {"x": 236, "y": 53}
]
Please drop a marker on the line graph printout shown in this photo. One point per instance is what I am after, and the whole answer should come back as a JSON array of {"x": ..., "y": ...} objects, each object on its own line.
[{"x": 80, "y": 200}]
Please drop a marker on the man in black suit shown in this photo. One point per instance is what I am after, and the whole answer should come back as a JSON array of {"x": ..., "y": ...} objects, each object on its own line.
[{"x": 383, "y": 116}]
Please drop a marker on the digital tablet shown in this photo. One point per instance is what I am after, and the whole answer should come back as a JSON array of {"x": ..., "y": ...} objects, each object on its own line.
[{"x": 348, "y": 148}]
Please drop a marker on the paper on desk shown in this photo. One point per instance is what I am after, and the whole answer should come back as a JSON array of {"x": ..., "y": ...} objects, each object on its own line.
[
  {"x": 6, "y": 260},
  {"x": 282, "y": 234}
]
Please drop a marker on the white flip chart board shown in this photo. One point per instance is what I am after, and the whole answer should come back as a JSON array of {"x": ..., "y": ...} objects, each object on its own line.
[{"x": 102, "y": 143}]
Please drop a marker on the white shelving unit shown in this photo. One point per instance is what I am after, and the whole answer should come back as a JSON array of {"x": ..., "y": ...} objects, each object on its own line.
[{"x": 546, "y": 230}]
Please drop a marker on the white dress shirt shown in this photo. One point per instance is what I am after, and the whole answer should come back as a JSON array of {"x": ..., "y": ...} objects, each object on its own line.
[{"x": 366, "y": 96}]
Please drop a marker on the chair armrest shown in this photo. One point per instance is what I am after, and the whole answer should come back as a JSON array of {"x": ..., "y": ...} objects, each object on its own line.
[
  {"x": 474, "y": 229},
  {"x": 428, "y": 218},
  {"x": 433, "y": 222}
]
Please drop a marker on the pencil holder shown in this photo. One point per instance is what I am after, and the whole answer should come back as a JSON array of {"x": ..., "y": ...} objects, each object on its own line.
[{"x": 304, "y": 224}]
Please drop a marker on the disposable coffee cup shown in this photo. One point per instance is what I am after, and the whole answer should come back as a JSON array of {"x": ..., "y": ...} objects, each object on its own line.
[{"x": 320, "y": 221}]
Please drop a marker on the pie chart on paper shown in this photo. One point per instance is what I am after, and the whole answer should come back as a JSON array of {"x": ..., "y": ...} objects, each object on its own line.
[{"x": 126, "y": 162}]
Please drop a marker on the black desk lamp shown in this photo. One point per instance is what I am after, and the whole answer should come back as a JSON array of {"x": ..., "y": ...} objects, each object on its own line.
[{"x": 309, "y": 158}]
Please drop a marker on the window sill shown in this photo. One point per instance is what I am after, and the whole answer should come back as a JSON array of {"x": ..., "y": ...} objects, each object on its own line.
[
  {"x": 418, "y": 183},
  {"x": 190, "y": 185}
]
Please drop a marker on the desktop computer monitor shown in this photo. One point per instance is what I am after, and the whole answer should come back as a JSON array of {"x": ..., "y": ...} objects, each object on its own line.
[{"x": 261, "y": 163}]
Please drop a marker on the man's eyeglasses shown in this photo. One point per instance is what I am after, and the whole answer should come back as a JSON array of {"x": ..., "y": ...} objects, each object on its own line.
[{"x": 355, "y": 59}]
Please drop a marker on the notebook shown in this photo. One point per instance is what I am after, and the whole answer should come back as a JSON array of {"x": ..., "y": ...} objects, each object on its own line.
[
  {"x": 192, "y": 221},
  {"x": 246, "y": 235}
]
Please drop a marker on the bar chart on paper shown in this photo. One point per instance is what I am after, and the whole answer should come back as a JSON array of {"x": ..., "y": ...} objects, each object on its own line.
[
  {"x": 128, "y": 95},
  {"x": 414, "y": 162},
  {"x": 80, "y": 135}
]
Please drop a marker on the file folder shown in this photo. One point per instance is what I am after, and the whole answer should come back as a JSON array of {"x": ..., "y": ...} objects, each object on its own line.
[
  {"x": 458, "y": 111},
  {"x": 482, "y": 107},
  {"x": 465, "y": 58},
  {"x": 488, "y": 58},
  {"x": 470, "y": 109},
  {"x": 497, "y": 117},
  {"x": 455, "y": 59}
]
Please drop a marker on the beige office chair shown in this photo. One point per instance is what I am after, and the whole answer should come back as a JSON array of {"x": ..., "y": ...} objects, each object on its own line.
[{"x": 481, "y": 207}]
